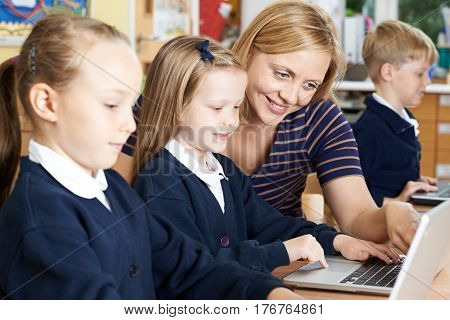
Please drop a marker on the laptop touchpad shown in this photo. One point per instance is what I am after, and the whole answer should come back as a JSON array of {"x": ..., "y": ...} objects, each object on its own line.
[{"x": 335, "y": 266}]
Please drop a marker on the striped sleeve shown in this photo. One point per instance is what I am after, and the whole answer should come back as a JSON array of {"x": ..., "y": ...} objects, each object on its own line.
[{"x": 331, "y": 144}]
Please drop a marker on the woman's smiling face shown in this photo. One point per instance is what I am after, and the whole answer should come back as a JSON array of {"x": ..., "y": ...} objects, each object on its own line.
[{"x": 279, "y": 84}]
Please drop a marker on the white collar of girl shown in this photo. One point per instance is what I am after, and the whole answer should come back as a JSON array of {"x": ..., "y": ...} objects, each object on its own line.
[
  {"x": 69, "y": 174},
  {"x": 211, "y": 175}
]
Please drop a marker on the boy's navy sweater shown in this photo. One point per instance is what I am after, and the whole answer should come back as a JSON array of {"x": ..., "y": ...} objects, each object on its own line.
[
  {"x": 168, "y": 186},
  {"x": 388, "y": 148},
  {"x": 56, "y": 245}
]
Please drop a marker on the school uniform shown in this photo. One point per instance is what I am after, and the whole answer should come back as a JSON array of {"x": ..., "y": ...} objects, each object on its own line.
[
  {"x": 66, "y": 235},
  {"x": 388, "y": 148},
  {"x": 243, "y": 228}
]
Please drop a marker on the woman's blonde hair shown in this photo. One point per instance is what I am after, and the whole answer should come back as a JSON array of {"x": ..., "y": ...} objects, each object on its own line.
[
  {"x": 172, "y": 80},
  {"x": 51, "y": 54},
  {"x": 395, "y": 42},
  {"x": 290, "y": 26}
]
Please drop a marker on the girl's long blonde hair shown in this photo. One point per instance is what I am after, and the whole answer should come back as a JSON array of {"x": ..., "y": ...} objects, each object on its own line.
[
  {"x": 289, "y": 26},
  {"x": 172, "y": 80}
]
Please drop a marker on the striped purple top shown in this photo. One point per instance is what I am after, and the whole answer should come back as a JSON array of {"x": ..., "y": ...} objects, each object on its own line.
[{"x": 316, "y": 138}]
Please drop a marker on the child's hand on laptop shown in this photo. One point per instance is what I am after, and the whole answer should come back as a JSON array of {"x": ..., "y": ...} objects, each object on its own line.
[
  {"x": 412, "y": 187},
  {"x": 429, "y": 180},
  {"x": 306, "y": 248},
  {"x": 357, "y": 249}
]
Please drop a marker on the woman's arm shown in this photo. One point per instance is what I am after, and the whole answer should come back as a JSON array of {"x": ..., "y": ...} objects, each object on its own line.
[
  {"x": 357, "y": 214},
  {"x": 123, "y": 166}
]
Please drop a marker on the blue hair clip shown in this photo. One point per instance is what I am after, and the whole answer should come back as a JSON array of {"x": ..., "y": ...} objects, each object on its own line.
[
  {"x": 204, "y": 52},
  {"x": 32, "y": 59}
]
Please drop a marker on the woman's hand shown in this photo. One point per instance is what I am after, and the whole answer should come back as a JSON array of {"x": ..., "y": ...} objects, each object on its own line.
[
  {"x": 356, "y": 249},
  {"x": 401, "y": 222},
  {"x": 306, "y": 248}
]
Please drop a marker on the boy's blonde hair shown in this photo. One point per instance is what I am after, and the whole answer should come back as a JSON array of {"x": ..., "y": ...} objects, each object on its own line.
[
  {"x": 290, "y": 26},
  {"x": 396, "y": 42},
  {"x": 172, "y": 80}
]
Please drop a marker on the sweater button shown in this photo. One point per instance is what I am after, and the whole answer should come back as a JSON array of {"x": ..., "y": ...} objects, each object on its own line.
[
  {"x": 224, "y": 241},
  {"x": 134, "y": 270}
]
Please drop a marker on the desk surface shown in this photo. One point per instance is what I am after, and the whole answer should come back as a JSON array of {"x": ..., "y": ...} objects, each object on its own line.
[{"x": 440, "y": 289}]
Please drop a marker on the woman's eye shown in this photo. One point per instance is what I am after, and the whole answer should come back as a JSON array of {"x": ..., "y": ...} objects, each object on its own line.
[
  {"x": 311, "y": 85},
  {"x": 217, "y": 108},
  {"x": 281, "y": 74},
  {"x": 237, "y": 107},
  {"x": 111, "y": 106}
]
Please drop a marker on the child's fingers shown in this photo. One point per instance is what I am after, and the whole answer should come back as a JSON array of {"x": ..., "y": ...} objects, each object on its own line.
[
  {"x": 323, "y": 262},
  {"x": 321, "y": 256},
  {"x": 316, "y": 254}
]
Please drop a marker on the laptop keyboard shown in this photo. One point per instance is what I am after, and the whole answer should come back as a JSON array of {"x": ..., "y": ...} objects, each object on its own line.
[
  {"x": 374, "y": 272},
  {"x": 445, "y": 194}
]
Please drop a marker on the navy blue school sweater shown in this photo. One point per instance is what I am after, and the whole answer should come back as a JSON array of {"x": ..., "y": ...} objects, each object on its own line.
[
  {"x": 250, "y": 231},
  {"x": 388, "y": 148},
  {"x": 56, "y": 245}
]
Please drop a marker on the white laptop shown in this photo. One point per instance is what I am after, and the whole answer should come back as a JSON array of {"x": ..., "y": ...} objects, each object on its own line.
[
  {"x": 433, "y": 198},
  {"x": 429, "y": 253}
]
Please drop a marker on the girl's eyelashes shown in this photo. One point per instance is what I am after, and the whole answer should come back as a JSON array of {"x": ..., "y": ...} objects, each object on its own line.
[
  {"x": 111, "y": 106},
  {"x": 237, "y": 107}
]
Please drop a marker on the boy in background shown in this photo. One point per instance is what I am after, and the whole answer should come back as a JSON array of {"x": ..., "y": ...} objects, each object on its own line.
[{"x": 398, "y": 58}]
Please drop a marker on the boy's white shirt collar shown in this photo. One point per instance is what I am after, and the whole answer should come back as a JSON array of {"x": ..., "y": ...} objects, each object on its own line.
[
  {"x": 211, "y": 178},
  {"x": 69, "y": 174},
  {"x": 404, "y": 114}
]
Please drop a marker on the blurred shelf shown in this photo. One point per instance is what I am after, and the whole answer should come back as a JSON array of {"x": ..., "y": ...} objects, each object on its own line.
[{"x": 437, "y": 88}]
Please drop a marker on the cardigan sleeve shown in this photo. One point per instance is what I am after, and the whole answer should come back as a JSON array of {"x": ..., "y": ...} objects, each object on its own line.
[
  {"x": 248, "y": 253},
  {"x": 58, "y": 263},
  {"x": 184, "y": 269},
  {"x": 266, "y": 224}
]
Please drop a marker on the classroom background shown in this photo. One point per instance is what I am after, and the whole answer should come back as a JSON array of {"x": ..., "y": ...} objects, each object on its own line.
[{"x": 149, "y": 23}]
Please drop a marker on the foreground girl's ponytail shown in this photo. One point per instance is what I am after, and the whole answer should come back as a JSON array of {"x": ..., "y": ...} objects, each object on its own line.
[{"x": 10, "y": 138}]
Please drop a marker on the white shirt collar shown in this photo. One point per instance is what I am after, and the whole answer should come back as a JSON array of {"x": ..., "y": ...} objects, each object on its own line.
[
  {"x": 210, "y": 177},
  {"x": 69, "y": 174},
  {"x": 403, "y": 114}
]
